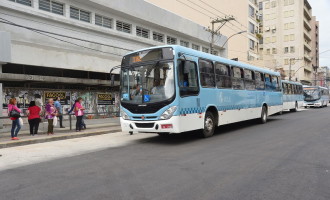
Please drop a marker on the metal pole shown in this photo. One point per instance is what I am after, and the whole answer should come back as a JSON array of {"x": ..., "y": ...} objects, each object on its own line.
[
  {"x": 290, "y": 69},
  {"x": 212, "y": 38},
  {"x": 70, "y": 119}
]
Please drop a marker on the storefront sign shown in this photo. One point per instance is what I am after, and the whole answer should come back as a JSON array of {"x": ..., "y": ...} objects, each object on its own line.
[
  {"x": 105, "y": 99},
  {"x": 65, "y": 97}
]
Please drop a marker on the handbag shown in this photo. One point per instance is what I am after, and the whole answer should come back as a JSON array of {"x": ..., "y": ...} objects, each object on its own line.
[
  {"x": 21, "y": 122},
  {"x": 80, "y": 113},
  {"x": 14, "y": 114},
  {"x": 55, "y": 121}
]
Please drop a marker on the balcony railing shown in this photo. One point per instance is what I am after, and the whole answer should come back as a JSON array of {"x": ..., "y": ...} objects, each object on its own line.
[
  {"x": 307, "y": 47},
  {"x": 307, "y": 36},
  {"x": 307, "y": 25}
]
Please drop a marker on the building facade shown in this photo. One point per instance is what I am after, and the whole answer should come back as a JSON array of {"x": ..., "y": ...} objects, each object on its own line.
[
  {"x": 289, "y": 37},
  {"x": 67, "y": 47},
  {"x": 244, "y": 46}
]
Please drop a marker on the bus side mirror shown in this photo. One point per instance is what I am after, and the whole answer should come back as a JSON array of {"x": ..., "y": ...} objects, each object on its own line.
[{"x": 112, "y": 82}]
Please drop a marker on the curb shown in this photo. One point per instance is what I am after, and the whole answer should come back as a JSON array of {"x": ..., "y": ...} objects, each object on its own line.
[{"x": 57, "y": 138}]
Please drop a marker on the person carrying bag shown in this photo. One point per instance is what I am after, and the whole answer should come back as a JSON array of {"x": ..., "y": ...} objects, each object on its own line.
[
  {"x": 79, "y": 113},
  {"x": 34, "y": 118},
  {"x": 15, "y": 114}
]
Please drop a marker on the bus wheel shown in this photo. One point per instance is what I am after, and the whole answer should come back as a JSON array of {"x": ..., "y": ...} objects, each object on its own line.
[
  {"x": 295, "y": 108},
  {"x": 264, "y": 115},
  {"x": 209, "y": 125}
]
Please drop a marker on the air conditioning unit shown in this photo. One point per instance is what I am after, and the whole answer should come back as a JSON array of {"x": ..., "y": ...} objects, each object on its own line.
[
  {"x": 274, "y": 27},
  {"x": 267, "y": 29}
]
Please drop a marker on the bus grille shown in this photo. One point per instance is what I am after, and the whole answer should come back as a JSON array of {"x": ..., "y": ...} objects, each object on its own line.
[{"x": 144, "y": 125}]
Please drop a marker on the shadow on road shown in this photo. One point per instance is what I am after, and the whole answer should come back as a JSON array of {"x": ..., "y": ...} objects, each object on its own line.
[{"x": 195, "y": 136}]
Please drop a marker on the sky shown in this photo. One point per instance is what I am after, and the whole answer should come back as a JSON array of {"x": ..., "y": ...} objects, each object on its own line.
[{"x": 321, "y": 9}]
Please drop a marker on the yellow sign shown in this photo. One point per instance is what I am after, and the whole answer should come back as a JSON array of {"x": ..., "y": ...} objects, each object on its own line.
[{"x": 105, "y": 99}]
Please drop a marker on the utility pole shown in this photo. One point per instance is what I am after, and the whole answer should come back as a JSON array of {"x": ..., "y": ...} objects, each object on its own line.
[
  {"x": 290, "y": 61},
  {"x": 214, "y": 32}
]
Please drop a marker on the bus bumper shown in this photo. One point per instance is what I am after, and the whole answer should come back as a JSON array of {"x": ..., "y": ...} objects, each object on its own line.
[
  {"x": 318, "y": 104},
  {"x": 160, "y": 126}
]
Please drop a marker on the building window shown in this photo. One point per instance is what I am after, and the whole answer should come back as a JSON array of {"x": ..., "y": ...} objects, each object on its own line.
[
  {"x": 103, "y": 21},
  {"x": 286, "y": 49},
  {"x": 273, "y": 4},
  {"x": 286, "y": 38},
  {"x": 267, "y": 5},
  {"x": 292, "y": 37},
  {"x": 24, "y": 2},
  {"x": 251, "y": 44},
  {"x": 292, "y": 49},
  {"x": 273, "y": 39},
  {"x": 171, "y": 40},
  {"x": 194, "y": 46},
  {"x": 251, "y": 28},
  {"x": 142, "y": 32},
  {"x": 205, "y": 50},
  {"x": 251, "y": 11},
  {"x": 51, "y": 6},
  {"x": 79, "y": 14},
  {"x": 216, "y": 53},
  {"x": 184, "y": 43},
  {"x": 274, "y": 51},
  {"x": 158, "y": 37},
  {"x": 286, "y": 61},
  {"x": 260, "y": 5},
  {"x": 268, "y": 51},
  {"x": 123, "y": 27}
]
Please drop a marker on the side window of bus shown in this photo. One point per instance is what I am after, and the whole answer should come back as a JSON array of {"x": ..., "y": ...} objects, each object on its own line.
[
  {"x": 268, "y": 81},
  {"x": 223, "y": 77},
  {"x": 250, "y": 83},
  {"x": 275, "y": 85},
  {"x": 188, "y": 78},
  {"x": 284, "y": 88},
  {"x": 207, "y": 76},
  {"x": 238, "y": 78},
  {"x": 260, "y": 81}
]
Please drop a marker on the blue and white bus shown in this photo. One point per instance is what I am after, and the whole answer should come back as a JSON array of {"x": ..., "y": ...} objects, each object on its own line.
[
  {"x": 173, "y": 89},
  {"x": 316, "y": 96},
  {"x": 293, "y": 97}
]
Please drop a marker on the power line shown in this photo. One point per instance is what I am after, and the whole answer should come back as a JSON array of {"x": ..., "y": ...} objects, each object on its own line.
[{"x": 194, "y": 9}]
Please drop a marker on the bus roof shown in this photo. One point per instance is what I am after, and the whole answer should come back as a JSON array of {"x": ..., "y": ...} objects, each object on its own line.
[
  {"x": 291, "y": 82},
  {"x": 208, "y": 56},
  {"x": 308, "y": 86}
]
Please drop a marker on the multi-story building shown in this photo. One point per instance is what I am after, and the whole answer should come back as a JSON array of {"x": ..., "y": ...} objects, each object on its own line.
[
  {"x": 244, "y": 46},
  {"x": 315, "y": 46},
  {"x": 287, "y": 37},
  {"x": 68, "y": 47}
]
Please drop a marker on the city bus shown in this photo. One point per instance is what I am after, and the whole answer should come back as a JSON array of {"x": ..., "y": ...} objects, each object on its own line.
[
  {"x": 174, "y": 89},
  {"x": 316, "y": 96},
  {"x": 293, "y": 97}
]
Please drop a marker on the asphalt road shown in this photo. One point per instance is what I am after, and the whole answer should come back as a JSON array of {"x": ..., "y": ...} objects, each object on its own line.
[{"x": 286, "y": 159}]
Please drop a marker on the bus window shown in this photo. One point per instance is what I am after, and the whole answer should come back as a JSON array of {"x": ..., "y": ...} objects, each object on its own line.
[
  {"x": 268, "y": 81},
  {"x": 250, "y": 83},
  {"x": 223, "y": 77},
  {"x": 206, "y": 73},
  {"x": 238, "y": 81},
  {"x": 260, "y": 81},
  {"x": 275, "y": 85},
  {"x": 188, "y": 78}
]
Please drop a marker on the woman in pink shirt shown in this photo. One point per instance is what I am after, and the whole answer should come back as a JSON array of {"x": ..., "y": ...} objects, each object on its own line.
[
  {"x": 79, "y": 112},
  {"x": 16, "y": 127}
]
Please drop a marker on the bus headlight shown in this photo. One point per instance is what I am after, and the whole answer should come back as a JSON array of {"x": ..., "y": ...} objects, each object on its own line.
[
  {"x": 124, "y": 115},
  {"x": 168, "y": 113}
]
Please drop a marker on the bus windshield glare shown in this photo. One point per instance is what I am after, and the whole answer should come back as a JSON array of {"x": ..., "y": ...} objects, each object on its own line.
[
  {"x": 311, "y": 94},
  {"x": 147, "y": 83}
]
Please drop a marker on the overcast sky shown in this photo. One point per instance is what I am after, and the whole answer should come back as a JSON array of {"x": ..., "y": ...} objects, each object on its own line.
[{"x": 321, "y": 9}]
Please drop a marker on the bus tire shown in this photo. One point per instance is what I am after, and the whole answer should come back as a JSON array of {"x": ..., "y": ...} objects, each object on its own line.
[
  {"x": 209, "y": 125},
  {"x": 295, "y": 108},
  {"x": 264, "y": 115}
]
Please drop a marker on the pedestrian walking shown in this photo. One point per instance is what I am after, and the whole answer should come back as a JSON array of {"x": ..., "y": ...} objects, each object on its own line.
[
  {"x": 34, "y": 118},
  {"x": 14, "y": 114},
  {"x": 50, "y": 114},
  {"x": 59, "y": 109},
  {"x": 79, "y": 113}
]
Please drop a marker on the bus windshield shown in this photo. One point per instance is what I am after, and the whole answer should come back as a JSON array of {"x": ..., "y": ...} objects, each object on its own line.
[
  {"x": 147, "y": 83},
  {"x": 311, "y": 94}
]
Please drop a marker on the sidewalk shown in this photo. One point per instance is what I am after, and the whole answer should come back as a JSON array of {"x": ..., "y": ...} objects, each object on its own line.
[{"x": 94, "y": 127}]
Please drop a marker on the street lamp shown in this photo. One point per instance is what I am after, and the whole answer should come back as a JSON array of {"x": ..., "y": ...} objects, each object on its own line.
[
  {"x": 290, "y": 60},
  {"x": 232, "y": 36}
]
